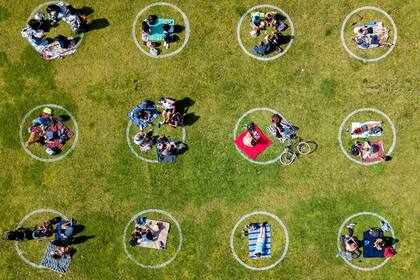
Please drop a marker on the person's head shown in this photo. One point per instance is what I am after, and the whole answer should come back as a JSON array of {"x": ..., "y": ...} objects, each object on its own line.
[
  {"x": 354, "y": 150},
  {"x": 49, "y": 135},
  {"x": 166, "y": 27},
  {"x": 360, "y": 40},
  {"x": 151, "y": 19},
  {"x": 162, "y": 100},
  {"x": 71, "y": 10},
  {"x": 53, "y": 8},
  {"x": 259, "y": 255},
  {"x": 34, "y": 24},
  {"x": 145, "y": 26},
  {"x": 276, "y": 118},
  {"x": 133, "y": 242}
]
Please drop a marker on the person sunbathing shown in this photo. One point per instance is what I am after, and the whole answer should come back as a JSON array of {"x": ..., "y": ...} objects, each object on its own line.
[
  {"x": 252, "y": 136},
  {"x": 259, "y": 248},
  {"x": 372, "y": 127},
  {"x": 61, "y": 251}
]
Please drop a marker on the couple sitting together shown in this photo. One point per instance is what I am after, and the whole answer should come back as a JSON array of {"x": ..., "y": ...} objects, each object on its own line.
[
  {"x": 372, "y": 35},
  {"x": 49, "y": 131}
]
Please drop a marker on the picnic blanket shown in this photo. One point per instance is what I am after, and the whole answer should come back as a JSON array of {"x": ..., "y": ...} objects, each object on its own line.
[
  {"x": 156, "y": 30},
  {"x": 289, "y": 131},
  {"x": 253, "y": 237},
  {"x": 169, "y": 158},
  {"x": 376, "y": 152},
  {"x": 161, "y": 229},
  {"x": 60, "y": 265},
  {"x": 61, "y": 133},
  {"x": 369, "y": 251},
  {"x": 54, "y": 50},
  {"x": 145, "y": 105},
  {"x": 262, "y": 144},
  {"x": 377, "y": 131}
]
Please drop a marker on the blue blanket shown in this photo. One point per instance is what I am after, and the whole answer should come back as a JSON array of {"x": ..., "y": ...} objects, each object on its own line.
[
  {"x": 145, "y": 105},
  {"x": 61, "y": 265},
  {"x": 253, "y": 237},
  {"x": 369, "y": 251}
]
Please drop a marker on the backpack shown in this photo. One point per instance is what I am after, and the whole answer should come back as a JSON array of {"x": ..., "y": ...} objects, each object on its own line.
[
  {"x": 261, "y": 49},
  {"x": 376, "y": 232},
  {"x": 389, "y": 252}
]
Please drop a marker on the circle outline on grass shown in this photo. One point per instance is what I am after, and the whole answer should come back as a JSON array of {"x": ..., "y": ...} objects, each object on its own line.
[
  {"x": 238, "y": 32},
  {"x": 340, "y": 132},
  {"x": 82, "y": 35},
  {"x": 76, "y": 133},
  {"x": 235, "y": 132},
  {"x": 24, "y": 219},
  {"x": 232, "y": 235},
  {"x": 366, "y": 213},
  {"x": 158, "y": 265},
  {"x": 186, "y": 25},
  {"x": 343, "y": 41},
  {"x": 134, "y": 152}
]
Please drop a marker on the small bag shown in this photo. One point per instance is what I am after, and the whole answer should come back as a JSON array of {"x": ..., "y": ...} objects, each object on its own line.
[
  {"x": 154, "y": 52},
  {"x": 389, "y": 252}
]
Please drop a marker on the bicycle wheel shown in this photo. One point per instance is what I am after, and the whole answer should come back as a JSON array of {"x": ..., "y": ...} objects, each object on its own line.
[
  {"x": 287, "y": 157},
  {"x": 303, "y": 148}
]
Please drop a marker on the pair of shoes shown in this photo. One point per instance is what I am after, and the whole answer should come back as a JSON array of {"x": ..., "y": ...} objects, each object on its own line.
[{"x": 351, "y": 225}]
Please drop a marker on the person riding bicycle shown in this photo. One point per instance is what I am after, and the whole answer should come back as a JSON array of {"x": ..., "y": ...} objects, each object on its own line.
[{"x": 252, "y": 136}]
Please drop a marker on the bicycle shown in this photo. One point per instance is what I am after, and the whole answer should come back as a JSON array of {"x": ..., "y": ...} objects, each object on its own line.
[{"x": 294, "y": 146}]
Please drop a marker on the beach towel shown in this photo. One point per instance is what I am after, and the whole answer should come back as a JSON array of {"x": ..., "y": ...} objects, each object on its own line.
[
  {"x": 369, "y": 251},
  {"x": 253, "y": 237},
  {"x": 161, "y": 230},
  {"x": 156, "y": 30},
  {"x": 377, "y": 131},
  {"x": 262, "y": 144},
  {"x": 61, "y": 265},
  {"x": 376, "y": 152},
  {"x": 145, "y": 105}
]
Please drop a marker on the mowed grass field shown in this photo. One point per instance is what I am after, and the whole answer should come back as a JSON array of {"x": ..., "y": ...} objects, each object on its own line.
[{"x": 315, "y": 86}]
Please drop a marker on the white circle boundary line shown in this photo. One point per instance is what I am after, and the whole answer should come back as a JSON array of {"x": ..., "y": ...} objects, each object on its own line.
[
  {"x": 232, "y": 235},
  {"x": 24, "y": 219},
  {"x": 50, "y": 3},
  {"x": 340, "y": 132},
  {"x": 343, "y": 41},
  {"x": 186, "y": 24},
  {"x": 342, "y": 228},
  {"x": 76, "y": 133},
  {"x": 235, "y": 132},
  {"x": 177, "y": 250},
  {"x": 244, "y": 49},
  {"x": 134, "y": 152}
]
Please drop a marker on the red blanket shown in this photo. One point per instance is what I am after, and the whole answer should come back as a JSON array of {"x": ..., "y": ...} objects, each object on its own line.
[
  {"x": 262, "y": 144},
  {"x": 57, "y": 128}
]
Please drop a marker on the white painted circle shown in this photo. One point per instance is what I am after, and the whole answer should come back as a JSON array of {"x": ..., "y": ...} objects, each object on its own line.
[
  {"x": 133, "y": 150},
  {"x": 186, "y": 25},
  {"x": 20, "y": 224},
  {"x": 82, "y": 35},
  {"x": 394, "y": 29},
  {"x": 341, "y": 230},
  {"x": 238, "y": 32},
  {"x": 394, "y": 135},
  {"x": 76, "y": 133},
  {"x": 235, "y": 132},
  {"x": 232, "y": 235},
  {"x": 179, "y": 233}
]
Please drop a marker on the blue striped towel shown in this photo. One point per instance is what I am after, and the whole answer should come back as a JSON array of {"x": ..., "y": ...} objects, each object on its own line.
[
  {"x": 253, "y": 237},
  {"x": 61, "y": 265}
]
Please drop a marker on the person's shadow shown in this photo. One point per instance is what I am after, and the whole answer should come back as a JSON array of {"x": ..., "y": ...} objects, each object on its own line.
[
  {"x": 81, "y": 238},
  {"x": 183, "y": 106},
  {"x": 97, "y": 24}
]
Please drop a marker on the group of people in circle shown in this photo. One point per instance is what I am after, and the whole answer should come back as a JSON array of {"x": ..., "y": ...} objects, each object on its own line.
[
  {"x": 372, "y": 35},
  {"x": 156, "y": 30},
  {"x": 40, "y": 24}
]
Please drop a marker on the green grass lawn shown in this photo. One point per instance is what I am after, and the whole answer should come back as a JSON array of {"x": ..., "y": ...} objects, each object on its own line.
[{"x": 102, "y": 184}]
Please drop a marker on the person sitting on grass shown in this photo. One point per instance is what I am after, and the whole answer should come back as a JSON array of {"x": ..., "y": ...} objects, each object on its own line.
[
  {"x": 351, "y": 245},
  {"x": 34, "y": 32},
  {"x": 168, "y": 109},
  {"x": 168, "y": 33},
  {"x": 144, "y": 140},
  {"x": 57, "y": 11},
  {"x": 257, "y": 23},
  {"x": 61, "y": 251},
  {"x": 259, "y": 248},
  {"x": 364, "y": 150},
  {"x": 274, "y": 41},
  {"x": 252, "y": 136},
  {"x": 175, "y": 120},
  {"x": 166, "y": 147}
]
